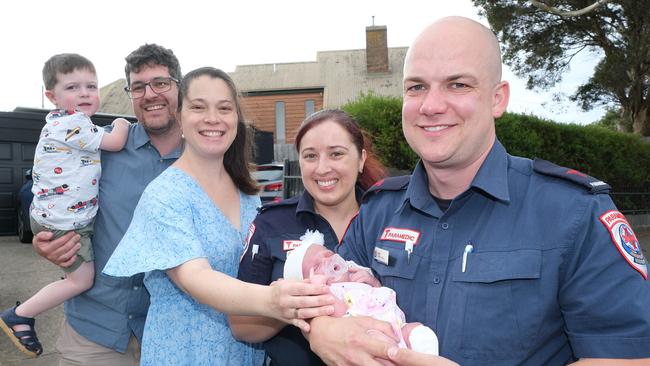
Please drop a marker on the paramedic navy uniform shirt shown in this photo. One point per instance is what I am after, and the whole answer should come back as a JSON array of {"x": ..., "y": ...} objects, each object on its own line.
[
  {"x": 277, "y": 230},
  {"x": 555, "y": 272}
]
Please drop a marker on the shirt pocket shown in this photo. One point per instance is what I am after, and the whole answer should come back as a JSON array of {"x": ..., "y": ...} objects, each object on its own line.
[
  {"x": 401, "y": 274},
  {"x": 492, "y": 298}
]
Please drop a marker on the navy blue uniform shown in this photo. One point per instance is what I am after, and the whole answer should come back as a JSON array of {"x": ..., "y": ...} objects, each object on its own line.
[
  {"x": 552, "y": 272},
  {"x": 277, "y": 230}
]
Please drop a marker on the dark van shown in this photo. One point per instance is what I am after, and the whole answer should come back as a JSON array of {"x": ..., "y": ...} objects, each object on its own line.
[{"x": 19, "y": 132}]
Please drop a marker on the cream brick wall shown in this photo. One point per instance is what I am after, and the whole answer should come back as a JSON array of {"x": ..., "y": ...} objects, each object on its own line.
[{"x": 342, "y": 75}]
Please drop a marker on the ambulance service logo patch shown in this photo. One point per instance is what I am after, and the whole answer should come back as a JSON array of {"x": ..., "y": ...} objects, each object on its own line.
[{"x": 625, "y": 240}]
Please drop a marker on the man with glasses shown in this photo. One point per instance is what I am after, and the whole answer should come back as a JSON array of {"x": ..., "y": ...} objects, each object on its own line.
[
  {"x": 104, "y": 325},
  {"x": 158, "y": 85}
]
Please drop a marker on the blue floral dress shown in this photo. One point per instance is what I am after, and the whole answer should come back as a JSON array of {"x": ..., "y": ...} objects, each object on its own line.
[{"x": 174, "y": 222}]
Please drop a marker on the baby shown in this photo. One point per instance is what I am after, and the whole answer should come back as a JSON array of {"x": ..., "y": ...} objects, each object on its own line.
[{"x": 359, "y": 292}]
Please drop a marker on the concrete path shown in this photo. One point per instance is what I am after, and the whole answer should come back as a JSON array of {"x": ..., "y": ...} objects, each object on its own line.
[{"x": 23, "y": 272}]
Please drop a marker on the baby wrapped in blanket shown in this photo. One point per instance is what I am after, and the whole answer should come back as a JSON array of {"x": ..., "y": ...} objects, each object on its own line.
[{"x": 359, "y": 292}]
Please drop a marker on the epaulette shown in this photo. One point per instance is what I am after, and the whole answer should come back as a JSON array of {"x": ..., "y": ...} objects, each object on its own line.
[
  {"x": 389, "y": 184},
  {"x": 285, "y": 202},
  {"x": 593, "y": 185}
]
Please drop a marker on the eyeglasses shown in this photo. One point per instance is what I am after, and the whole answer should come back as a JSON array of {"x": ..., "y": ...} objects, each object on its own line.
[{"x": 158, "y": 85}]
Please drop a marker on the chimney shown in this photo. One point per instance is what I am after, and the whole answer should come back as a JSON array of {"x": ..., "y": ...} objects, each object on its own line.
[{"x": 376, "y": 48}]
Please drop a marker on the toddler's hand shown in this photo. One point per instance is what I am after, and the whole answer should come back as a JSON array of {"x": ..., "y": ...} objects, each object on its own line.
[{"x": 121, "y": 121}]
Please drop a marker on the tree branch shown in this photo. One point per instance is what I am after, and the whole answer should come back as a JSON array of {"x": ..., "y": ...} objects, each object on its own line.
[{"x": 568, "y": 14}]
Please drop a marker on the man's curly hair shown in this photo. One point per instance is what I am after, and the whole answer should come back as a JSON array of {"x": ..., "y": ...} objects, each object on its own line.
[{"x": 151, "y": 55}]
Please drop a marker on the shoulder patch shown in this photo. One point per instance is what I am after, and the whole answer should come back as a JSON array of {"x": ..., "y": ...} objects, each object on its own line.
[
  {"x": 390, "y": 184},
  {"x": 592, "y": 184},
  {"x": 625, "y": 240},
  {"x": 285, "y": 202}
]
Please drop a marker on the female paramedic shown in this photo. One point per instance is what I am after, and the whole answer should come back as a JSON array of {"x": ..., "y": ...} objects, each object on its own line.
[{"x": 337, "y": 165}]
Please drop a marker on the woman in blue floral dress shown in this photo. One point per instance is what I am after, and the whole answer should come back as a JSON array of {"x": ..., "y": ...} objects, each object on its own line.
[{"x": 188, "y": 233}]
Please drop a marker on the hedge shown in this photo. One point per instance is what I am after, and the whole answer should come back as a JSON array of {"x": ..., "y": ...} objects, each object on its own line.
[
  {"x": 381, "y": 117},
  {"x": 622, "y": 160}
]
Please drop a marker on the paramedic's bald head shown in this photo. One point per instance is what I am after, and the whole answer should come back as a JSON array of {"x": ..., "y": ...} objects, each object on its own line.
[
  {"x": 452, "y": 94},
  {"x": 451, "y": 36}
]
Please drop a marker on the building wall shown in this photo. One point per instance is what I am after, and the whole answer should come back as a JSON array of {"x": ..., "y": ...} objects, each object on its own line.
[
  {"x": 345, "y": 76},
  {"x": 114, "y": 99},
  {"x": 341, "y": 74},
  {"x": 260, "y": 111},
  {"x": 277, "y": 76}
]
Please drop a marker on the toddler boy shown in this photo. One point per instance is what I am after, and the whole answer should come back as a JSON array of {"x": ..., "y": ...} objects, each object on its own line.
[{"x": 66, "y": 175}]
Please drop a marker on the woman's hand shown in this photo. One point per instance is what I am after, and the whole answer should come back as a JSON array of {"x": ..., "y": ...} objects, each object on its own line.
[
  {"x": 287, "y": 301},
  {"x": 295, "y": 301}
]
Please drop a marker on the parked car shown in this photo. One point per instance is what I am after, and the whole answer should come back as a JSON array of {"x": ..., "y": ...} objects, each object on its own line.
[
  {"x": 270, "y": 178},
  {"x": 25, "y": 197}
]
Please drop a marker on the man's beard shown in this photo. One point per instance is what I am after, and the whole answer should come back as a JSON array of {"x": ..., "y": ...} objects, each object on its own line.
[{"x": 159, "y": 129}]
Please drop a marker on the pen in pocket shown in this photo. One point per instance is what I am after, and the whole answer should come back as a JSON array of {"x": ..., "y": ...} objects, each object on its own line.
[
  {"x": 468, "y": 249},
  {"x": 254, "y": 251}
]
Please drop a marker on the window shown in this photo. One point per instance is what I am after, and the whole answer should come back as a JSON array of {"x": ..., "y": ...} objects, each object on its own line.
[
  {"x": 309, "y": 107},
  {"x": 279, "y": 123}
]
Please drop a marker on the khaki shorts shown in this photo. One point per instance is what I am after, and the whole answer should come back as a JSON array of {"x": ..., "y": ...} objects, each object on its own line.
[
  {"x": 85, "y": 253},
  {"x": 76, "y": 350}
]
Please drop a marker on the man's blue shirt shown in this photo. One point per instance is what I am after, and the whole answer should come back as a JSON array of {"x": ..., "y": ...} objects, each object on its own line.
[
  {"x": 543, "y": 283},
  {"x": 115, "y": 307}
]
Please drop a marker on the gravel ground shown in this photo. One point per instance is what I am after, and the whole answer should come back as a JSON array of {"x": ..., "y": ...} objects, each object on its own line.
[{"x": 23, "y": 272}]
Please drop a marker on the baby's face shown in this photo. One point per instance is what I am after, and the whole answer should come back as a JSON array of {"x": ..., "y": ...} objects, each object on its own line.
[{"x": 319, "y": 260}]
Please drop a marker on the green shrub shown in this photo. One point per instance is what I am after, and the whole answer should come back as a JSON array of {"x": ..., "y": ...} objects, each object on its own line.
[
  {"x": 610, "y": 120},
  {"x": 622, "y": 160},
  {"x": 381, "y": 117}
]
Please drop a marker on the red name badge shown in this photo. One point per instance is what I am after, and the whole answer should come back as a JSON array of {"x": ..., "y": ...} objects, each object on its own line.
[
  {"x": 400, "y": 235},
  {"x": 288, "y": 245}
]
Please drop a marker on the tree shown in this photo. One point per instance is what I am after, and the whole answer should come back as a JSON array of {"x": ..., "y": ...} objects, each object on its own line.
[
  {"x": 568, "y": 13},
  {"x": 541, "y": 38},
  {"x": 610, "y": 120}
]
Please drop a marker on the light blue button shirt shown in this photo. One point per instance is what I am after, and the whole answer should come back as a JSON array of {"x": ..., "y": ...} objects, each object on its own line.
[{"x": 114, "y": 307}]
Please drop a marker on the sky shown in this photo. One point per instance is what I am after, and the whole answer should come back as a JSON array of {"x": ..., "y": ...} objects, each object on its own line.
[{"x": 226, "y": 34}]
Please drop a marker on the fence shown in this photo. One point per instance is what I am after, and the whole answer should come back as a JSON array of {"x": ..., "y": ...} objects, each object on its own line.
[
  {"x": 630, "y": 203},
  {"x": 292, "y": 180}
]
